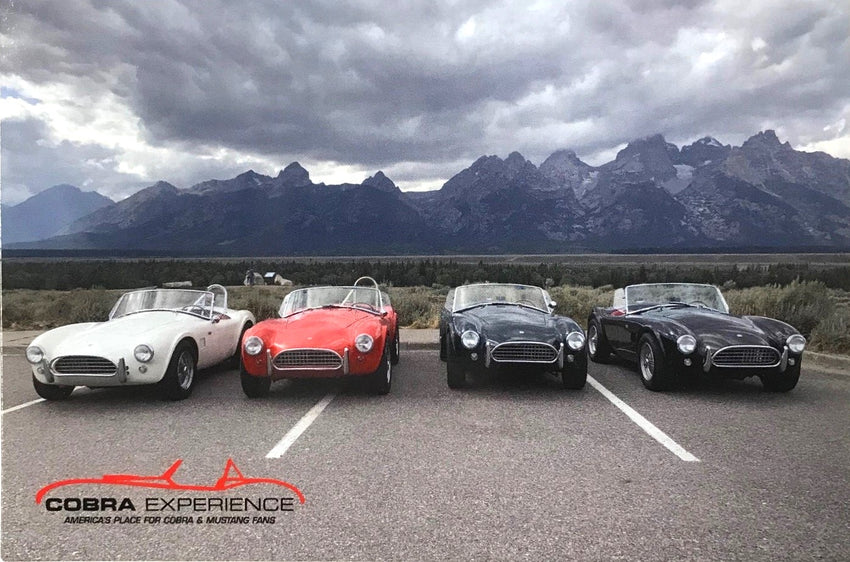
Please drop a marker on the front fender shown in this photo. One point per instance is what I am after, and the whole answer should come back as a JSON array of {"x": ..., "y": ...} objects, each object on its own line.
[{"x": 776, "y": 330}]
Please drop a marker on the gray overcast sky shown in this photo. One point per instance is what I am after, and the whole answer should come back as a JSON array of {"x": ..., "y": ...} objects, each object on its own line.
[{"x": 114, "y": 95}]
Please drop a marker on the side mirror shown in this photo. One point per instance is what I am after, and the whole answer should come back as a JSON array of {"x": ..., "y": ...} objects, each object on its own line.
[{"x": 552, "y": 305}]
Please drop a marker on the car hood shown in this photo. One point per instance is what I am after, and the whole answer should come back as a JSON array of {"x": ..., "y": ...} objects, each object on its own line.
[
  {"x": 325, "y": 327},
  {"x": 501, "y": 323},
  {"x": 717, "y": 329},
  {"x": 115, "y": 338}
]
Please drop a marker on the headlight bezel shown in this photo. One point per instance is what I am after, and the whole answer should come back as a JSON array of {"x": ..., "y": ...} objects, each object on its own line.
[
  {"x": 575, "y": 340},
  {"x": 37, "y": 354},
  {"x": 146, "y": 352},
  {"x": 253, "y": 345},
  {"x": 796, "y": 343},
  {"x": 470, "y": 339},
  {"x": 686, "y": 344},
  {"x": 364, "y": 343}
]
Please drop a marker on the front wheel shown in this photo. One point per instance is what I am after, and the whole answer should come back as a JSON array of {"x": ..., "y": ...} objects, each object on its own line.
[
  {"x": 254, "y": 387},
  {"x": 179, "y": 378},
  {"x": 455, "y": 375},
  {"x": 597, "y": 346},
  {"x": 236, "y": 358},
  {"x": 382, "y": 379},
  {"x": 782, "y": 382},
  {"x": 653, "y": 372},
  {"x": 396, "y": 352},
  {"x": 574, "y": 375},
  {"x": 51, "y": 392}
]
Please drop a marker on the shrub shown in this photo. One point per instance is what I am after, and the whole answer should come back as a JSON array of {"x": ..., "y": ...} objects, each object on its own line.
[
  {"x": 418, "y": 307},
  {"x": 577, "y": 302},
  {"x": 803, "y": 305}
]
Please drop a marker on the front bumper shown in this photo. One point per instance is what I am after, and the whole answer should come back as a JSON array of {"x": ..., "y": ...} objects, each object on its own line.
[
  {"x": 127, "y": 373},
  {"x": 705, "y": 361},
  {"x": 351, "y": 363},
  {"x": 483, "y": 358}
]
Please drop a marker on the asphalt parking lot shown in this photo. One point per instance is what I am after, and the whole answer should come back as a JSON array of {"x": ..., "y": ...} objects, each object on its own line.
[{"x": 507, "y": 469}]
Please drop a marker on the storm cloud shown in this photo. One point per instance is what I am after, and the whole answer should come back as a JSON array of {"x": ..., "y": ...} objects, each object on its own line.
[{"x": 189, "y": 90}]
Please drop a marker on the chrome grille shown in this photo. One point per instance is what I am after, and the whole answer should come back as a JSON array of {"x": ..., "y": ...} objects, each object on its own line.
[
  {"x": 524, "y": 352},
  {"x": 307, "y": 359},
  {"x": 746, "y": 356},
  {"x": 84, "y": 365}
]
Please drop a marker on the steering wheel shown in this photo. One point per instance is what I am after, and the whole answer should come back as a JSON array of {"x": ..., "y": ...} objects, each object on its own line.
[{"x": 194, "y": 309}]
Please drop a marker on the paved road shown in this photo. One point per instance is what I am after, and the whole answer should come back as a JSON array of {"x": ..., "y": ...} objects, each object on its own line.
[{"x": 507, "y": 469}]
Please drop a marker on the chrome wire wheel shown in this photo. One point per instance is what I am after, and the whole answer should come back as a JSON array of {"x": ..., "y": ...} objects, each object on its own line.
[
  {"x": 592, "y": 340},
  {"x": 185, "y": 369},
  {"x": 647, "y": 362}
]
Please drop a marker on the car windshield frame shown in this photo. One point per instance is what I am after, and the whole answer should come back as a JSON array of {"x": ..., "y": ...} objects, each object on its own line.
[
  {"x": 484, "y": 294},
  {"x": 647, "y": 296},
  {"x": 187, "y": 301},
  {"x": 367, "y": 299}
]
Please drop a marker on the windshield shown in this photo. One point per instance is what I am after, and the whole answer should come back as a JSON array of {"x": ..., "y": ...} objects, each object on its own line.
[
  {"x": 639, "y": 297},
  {"x": 479, "y": 295},
  {"x": 364, "y": 298},
  {"x": 198, "y": 303}
]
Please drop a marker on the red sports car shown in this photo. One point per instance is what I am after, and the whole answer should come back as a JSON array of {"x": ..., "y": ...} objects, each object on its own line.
[{"x": 324, "y": 332}]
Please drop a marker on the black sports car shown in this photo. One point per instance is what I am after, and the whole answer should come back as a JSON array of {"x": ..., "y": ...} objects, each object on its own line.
[
  {"x": 675, "y": 328},
  {"x": 496, "y": 325}
]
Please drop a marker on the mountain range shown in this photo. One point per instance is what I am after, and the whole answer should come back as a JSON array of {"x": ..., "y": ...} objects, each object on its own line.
[
  {"x": 48, "y": 213},
  {"x": 653, "y": 195}
]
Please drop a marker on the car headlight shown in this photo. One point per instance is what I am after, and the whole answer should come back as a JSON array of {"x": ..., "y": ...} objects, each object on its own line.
[
  {"x": 575, "y": 340},
  {"x": 363, "y": 343},
  {"x": 143, "y": 353},
  {"x": 34, "y": 354},
  {"x": 796, "y": 343},
  {"x": 687, "y": 344},
  {"x": 253, "y": 345},
  {"x": 470, "y": 339}
]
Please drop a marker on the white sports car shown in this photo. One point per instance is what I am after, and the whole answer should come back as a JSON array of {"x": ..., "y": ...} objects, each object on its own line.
[{"x": 153, "y": 336}]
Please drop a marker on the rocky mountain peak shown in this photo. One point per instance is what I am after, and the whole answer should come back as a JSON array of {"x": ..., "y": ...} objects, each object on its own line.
[
  {"x": 765, "y": 140},
  {"x": 381, "y": 182},
  {"x": 294, "y": 174},
  {"x": 704, "y": 151},
  {"x": 161, "y": 187},
  {"x": 563, "y": 160},
  {"x": 564, "y": 169},
  {"x": 649, "y": 158}
]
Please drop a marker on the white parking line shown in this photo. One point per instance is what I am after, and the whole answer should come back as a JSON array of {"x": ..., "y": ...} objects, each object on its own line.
[
  {"x": 644, "y": 423},
  {"x": 21, "y": 406},
  {"x": 299, "y": 428}
]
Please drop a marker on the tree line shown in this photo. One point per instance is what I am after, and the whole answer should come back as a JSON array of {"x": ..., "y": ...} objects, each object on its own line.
[{"x": 128, "y": 274}]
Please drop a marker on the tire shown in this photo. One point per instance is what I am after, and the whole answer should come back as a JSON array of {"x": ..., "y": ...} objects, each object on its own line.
[
  {"x": 455, "y": 375},
  {"x": 179, "y": 379},
  {"x": 443, "y": 353},
  {"x": 236, "y": 358},
  {"x": 654, "y": 373},
  {"x": 51, "y": 392},
  {"x": 382, "y": 379},
  {"x": 396, "y": 349},
  {"x": 782, "y": 382},
  {"x": 574, "y": 375},
  {"x": 254, "y": 387},
  {"x": 598, "y": 348}
]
